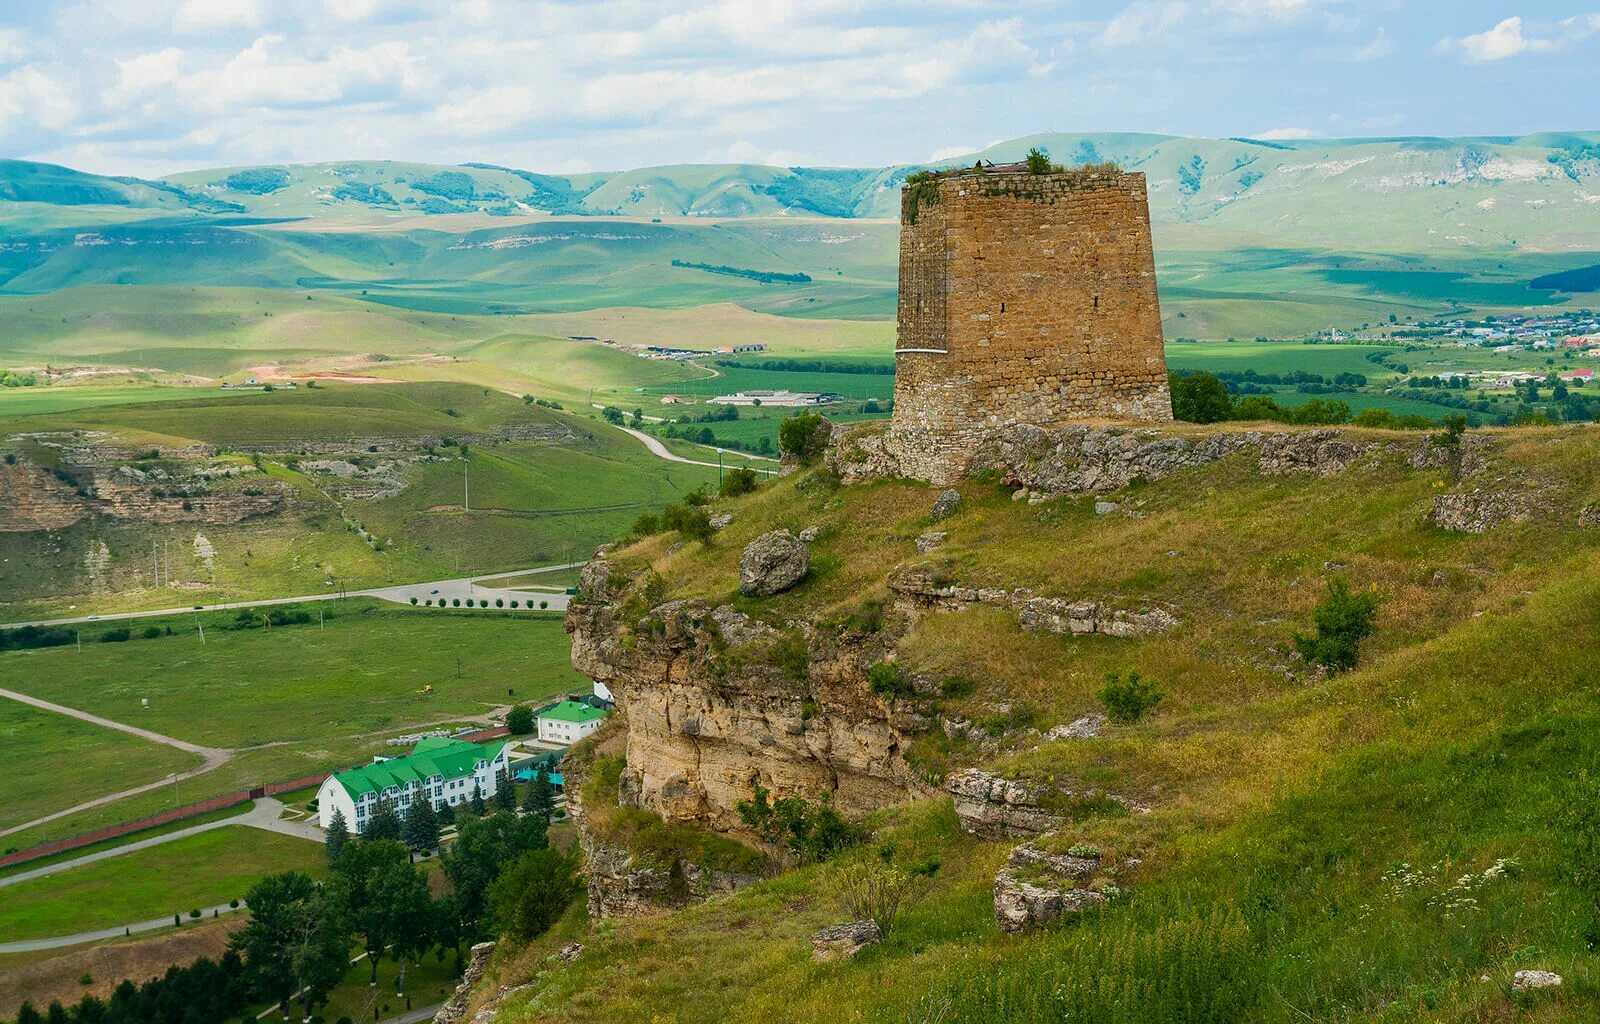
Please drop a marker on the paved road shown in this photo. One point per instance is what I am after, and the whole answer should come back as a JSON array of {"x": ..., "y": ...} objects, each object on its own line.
[
  {"x": 56, "y": 942},
  {"x": 264, "y": 815},
  {"x": 464, "y": 587},
  {"x": 660, "y": 451}
]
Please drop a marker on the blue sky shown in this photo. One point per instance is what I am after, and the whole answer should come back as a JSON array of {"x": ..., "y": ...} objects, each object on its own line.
[{"x": 154, "y": 86}]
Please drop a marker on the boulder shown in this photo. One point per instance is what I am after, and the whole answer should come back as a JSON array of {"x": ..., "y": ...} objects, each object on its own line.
[
  {"x": 570, "y": 952},
  {"x": 721, "y": 520},
  {"x": 930, "y": 540},
  {"x": 1085, "y": 728},
  {"x": 995, "y": 808},
  {"x": 844, "y": 941},
  {"x": 772, "y": 563},
  {"x": 810, "y": 533},
  {"x": 1527, "y": 981},
  {"x": 1036, "y": 887},
  {"x": 1479, "y": 511},
  {"x": 1105, "y": 508},
  {"x": 945, "y": 505}
]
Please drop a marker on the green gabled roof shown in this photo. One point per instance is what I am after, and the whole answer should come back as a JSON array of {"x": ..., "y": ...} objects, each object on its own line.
[
  {"x": 573, "y": 711},
  {"x": 436, "y": 755}
]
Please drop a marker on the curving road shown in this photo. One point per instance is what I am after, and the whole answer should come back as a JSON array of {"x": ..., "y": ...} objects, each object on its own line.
[{"x": 660, "y": 451}]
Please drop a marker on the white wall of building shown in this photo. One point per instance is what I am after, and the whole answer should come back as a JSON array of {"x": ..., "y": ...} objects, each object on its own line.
[
  {"x": 455, "y": 792},
  {"x": 553, "y": 731}
]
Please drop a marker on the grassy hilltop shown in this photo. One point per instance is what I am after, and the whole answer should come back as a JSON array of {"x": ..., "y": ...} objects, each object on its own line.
[{"x": 1385, "y": 844}]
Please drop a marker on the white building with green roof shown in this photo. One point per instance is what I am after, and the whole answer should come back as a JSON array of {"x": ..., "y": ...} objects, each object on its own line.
[
  {"x": 569, "y": 721},
  {"x": 440, "y": 770}
]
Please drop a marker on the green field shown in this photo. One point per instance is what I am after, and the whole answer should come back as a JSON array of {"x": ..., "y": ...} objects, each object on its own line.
[
  {"x": 57, "y": 761},
  {"x": 359, "y": 676},
  {"x": 34, "y": 400},
  {"x": 189, "y": 873}
]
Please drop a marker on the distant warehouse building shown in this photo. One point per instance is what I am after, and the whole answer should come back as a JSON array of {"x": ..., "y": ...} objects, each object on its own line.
[
  {"x": 440, "y": 770},
  {"x": 569, "y": 721},
  {"x": 776, "y": 399}
]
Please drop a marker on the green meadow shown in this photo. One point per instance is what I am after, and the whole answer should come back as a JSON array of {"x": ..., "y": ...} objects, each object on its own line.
[{"x": 185, "y": 874}]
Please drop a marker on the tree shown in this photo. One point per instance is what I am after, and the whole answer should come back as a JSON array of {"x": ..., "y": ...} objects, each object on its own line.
[
  {"x": 531, "y": 893},
  {"x": 1199, "y": 398},
  {"x": 737, "y": 481},
  {"x": 385, "y": 823},
  {"x": 1343, "y": 620},
  {"x": 474, "y": 860},
  {"x": 295, "y": 939},
  {"x": 520, "y": 718},
  {"x": 421, "y": 828},
  {"x": 26, "y": 1014},
  {"x": 505, "y": 791},
  {"x": 338, "y": 835},
  {"x": 541, "y": 799},
  {"x": 381, "y": 894},
  {"x": 803, "y": 436},
  {"x": 478, "y": 807},
  {"x": 1038, "y": 161}
]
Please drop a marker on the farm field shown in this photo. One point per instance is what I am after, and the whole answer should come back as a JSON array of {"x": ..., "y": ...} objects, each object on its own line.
[
  {"x": 132, "y": 837},
  {"x": 360, "y": 675},
  {"x": 55, "y": 761},
  {"x": 58, "y": 398},
  {"x": 189, "y": 873}
]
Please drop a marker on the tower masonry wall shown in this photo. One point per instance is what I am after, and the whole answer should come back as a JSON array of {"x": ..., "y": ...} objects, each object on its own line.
[{"x": 1023, "y": 298}]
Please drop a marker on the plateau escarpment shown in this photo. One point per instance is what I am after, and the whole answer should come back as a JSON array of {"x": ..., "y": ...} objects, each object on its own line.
[{"x": 718, "y": 702}]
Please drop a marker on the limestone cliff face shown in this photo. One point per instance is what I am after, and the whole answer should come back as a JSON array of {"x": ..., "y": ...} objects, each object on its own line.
[
  {"x": 716, "y": 702},
  {"x": 37, "y": 500}
]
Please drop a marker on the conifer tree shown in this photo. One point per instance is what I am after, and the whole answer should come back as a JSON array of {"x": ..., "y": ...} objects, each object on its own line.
[
  {"x": 541, "y": 799},
  {"x": 478, "y": 807},
  {"x": 505, "y": 793},
  {"x": 421, "y": 825},
  {"x": 338, "y": 835},
  {"x": 385, "y": 823}
]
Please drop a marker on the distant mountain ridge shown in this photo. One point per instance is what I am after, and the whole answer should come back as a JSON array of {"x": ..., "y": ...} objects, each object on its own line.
[{"x": 1413, "y": 194}]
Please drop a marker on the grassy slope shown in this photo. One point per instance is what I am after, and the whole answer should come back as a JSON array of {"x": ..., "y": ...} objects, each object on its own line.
[
  {"x": 173, "y": 878},
  {"x": 54, "y": 760},
  {"x": 1280, "y": 803}
]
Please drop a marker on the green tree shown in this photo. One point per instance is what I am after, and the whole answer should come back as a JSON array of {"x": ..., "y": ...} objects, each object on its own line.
[
  {"x": 1343, "y": 620},
  {"x": 421, "y": 826},
  {"x": 803, "y": 436},
  {"x": 613, "y": 415},
  {"x": 381, "y": 894},
  {"x": 1038, "y": 161},
  {"x": 1199, "y": 398},
  {"x": 737, "y": 481},
  {"x": 338, "y": 835},
  {"x": 541, "y": 799},
  {"x": 520, "y": 718},
  {"x": 505, "y": 791},
  {"x": 478, "y": 808},
  {"x": 385, "y": 822},
  {"x": 474, "y": 860},
  {"x": 295, "y": 939},
  {"x": 531, "y": 894}
]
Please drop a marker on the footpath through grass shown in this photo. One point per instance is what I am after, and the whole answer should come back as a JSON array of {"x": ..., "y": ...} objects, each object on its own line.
[{"x": 190, "y": 873}]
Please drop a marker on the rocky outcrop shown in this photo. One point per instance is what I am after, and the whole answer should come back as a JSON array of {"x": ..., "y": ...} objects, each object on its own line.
[
  {"x": 623, "y": 884},
  {"x": 918, "y": 589},
  {"x": 931, "y": 540},
  {"x": 34, "y": 499},
  {"x": 995, "y": 808},
  {"x": 1085, "y": 728},
  {"x": 455, "y": 1010},
  {"x": 1528, "y": 981},
  {"x": 772, "y": 563},
  {"x": 844, "y": 941},
  {"x": 717, "y": 702},
  {"x": 1099, "y": 460},
  {"x": 1036, "y": 887},
  {"x": 946, "y": 504},
  {"x": 1480, "y": 511}
]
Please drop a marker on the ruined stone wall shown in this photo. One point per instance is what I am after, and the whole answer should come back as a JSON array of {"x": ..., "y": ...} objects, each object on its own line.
[{"x": 1023, "y": 299}]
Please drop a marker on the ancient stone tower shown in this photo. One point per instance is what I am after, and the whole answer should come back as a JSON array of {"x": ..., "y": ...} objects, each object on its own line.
[{"x": 1024, "y": 298}]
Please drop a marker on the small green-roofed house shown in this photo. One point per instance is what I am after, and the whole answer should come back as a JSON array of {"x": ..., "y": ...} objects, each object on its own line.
[
  {"x": 440, "y": 770},
  {"x": 569, "y": 721}
]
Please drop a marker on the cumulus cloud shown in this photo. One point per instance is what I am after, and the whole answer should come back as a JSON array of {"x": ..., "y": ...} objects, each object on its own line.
[
  {"x": 1504, "y": 40},
  {"x": 147, "y": 71},
  {"x": 210, "y": 15}
]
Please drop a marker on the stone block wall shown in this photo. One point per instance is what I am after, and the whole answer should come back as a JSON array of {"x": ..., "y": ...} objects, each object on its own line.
[{"x": 1023, "y": 299}]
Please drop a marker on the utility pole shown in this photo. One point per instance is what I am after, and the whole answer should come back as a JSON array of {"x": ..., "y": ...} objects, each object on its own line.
[
  {"x": 201, "y": 626},
  {"x": 719, "y": 469},
  {"x": 155, "y": 566},
  {"x": 466, "y": 493}
]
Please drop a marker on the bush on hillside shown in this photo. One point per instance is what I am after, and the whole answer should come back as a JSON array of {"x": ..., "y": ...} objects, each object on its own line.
[
  {"x": 738, "y": 481},
  {"x": 812, "y": 832},
  {"x": 689, "y": 520},
  {"x": 1200, "y": 398},
  {"x": 874, "y": 891},
  {"x": 1343, "y": 620},
  {"x": 520, "y": 720},
  {"x": 803, "y": 436},
  {"x": 1128, "y": 700}
]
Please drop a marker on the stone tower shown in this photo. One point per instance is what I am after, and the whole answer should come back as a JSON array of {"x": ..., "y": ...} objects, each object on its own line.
[{"x": 1024, "y": 298}]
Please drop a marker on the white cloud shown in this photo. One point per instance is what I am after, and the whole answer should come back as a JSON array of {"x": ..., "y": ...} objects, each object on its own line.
[
  {"x": 30, "y": 96},
  {"x": 1502, "y": 41},
  {"x": 264, "y": 74},
  {"x": 149, "y": 70},
  {"x": 1262, "y": 8},
  {"x": 1286, "y": 134},
  {"x": 213, "y": 15},
  {"x": 1143, "y": 20},
  {"x": 13, "y": 45},
  {"x": 950, "y": 153}
]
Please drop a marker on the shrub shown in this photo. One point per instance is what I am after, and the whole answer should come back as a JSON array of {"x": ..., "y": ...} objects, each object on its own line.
[
  {"x": 513, "y": 604},
  {"x": 455, "y": 602},
  {"x": 810, "y": 832},
  {"x": 889, "y": 680},
  {"x": 803, "y": 436},
  {"x": 645, "y": 525},
  {"x": 414, "y": 601},
  {"x": 1343, "y": 620},
  {"x": 874, "y": 891},
  {"x": 543, "y": 605},
  {"x": 735, "y": 482},
  {"x": 151, "y": 632},
  {"x": 520, "y": 720},
  {"x": 1039, "y": 162},
  {"x": 86, "y": 978},
  {"x": 233, "y": 904},
  {"x": 1131, "y": 699},
  {"x": 1199, "y": 398},
  {"x": 499, "y": 603},
  {"x": 116, "y": 636},
  {"x": 689, "y": 520},
  {"x": 195, "y": 912}
]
